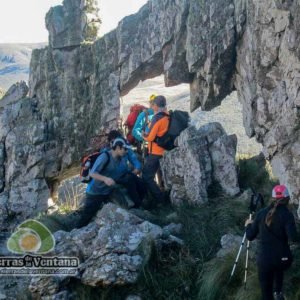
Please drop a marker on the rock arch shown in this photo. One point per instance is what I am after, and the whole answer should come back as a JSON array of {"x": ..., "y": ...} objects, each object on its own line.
[{"x": 216, "y": 46}]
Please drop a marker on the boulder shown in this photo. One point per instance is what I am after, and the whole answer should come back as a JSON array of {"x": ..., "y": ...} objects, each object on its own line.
[
  {"x": 203, "y": 157},
  {"x": 229, "y": 243},
  {"x": 112, "y": 250}
]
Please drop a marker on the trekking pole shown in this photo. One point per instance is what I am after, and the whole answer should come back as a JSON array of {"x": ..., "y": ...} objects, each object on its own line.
[
  {"x": 256, "y": 198},
  {"x": 247, "y": 258},
  {"x": 239, "y": 253}
]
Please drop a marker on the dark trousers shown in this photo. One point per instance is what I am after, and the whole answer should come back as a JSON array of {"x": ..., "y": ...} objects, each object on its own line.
[
  {"x": 150, "y": 168},
  {"x": 89, "y": 208},
  {"x": 135, "y": 187},
  {"x": 269, "y": 279}
]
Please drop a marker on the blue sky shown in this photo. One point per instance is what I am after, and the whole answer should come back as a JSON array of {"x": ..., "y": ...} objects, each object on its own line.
[{"x": 23, "y": 21}]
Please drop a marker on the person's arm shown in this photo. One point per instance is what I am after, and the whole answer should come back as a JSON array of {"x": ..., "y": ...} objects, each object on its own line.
[
  {"x": 150, "y": 137},
  {"x": 134, "y": 161},
  {"x": 290, "y": 228},
  {"x": 96, "y": 170},
  {"x": 252, "y": 229},
  {"x": 147, "y": 127},
  {"x": 107, "y": 180},
  {"x": 138, "y": 127}
]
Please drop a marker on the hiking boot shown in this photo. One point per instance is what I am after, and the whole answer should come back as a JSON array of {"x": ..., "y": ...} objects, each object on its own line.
[{"x": 278, "y": 296}]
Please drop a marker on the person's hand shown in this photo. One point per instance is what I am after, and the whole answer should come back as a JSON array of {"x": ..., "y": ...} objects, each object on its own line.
[
  {"x": 294, "y": 247},
  {"x": 249, "y": 221},
  {"x": 109, "y": 181},
  {"x": 136, "y": 172}
]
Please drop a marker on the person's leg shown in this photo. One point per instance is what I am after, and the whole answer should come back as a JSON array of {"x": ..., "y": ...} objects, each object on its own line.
[
  {"x": 266, "y": 283},
  {"x": 141, "y": 187},
  {"x": 150, "y": 168},
  {"x": 130, "y": 183},
  {"x": 278, "y": 281},
  {"x": 89, "y": 208}
]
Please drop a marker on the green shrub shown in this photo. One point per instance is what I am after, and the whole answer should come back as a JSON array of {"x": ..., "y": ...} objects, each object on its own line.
[
  {"x": 255, "y": 172},
  {"x": 58, "y": 221}
]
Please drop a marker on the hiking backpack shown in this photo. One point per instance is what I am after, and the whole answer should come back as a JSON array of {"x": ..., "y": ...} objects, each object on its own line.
[
  {"x": 135, "y": 110},
  {"x": 178, "y": 121},
  {"x": 87, "y": 163}
]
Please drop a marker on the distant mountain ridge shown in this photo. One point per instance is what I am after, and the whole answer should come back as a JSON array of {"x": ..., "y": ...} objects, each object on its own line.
[{"x": 14, "y": 62}]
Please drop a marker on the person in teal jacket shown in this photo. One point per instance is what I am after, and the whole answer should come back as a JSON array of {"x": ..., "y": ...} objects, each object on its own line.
[{"x": 143, "y": 121}]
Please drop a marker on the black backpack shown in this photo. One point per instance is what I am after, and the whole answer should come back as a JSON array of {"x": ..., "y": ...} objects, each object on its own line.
[
  {"x": 87, "y": 163},
  {"x": 179, "y": 120}
]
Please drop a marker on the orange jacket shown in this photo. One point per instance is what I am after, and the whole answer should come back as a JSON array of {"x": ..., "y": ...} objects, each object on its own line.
[{"x": 158, "y": 129}]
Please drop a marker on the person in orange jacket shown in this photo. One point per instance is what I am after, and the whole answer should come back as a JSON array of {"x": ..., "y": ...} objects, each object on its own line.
[{"x": 159, "y": 126}]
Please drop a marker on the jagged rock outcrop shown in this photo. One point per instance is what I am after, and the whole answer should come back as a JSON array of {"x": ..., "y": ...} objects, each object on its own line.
[
  {"x": 216, "y": 46},
  {"x": 112, "y": 250},
  {"x": 16, "y": 92},
  {"x": 72, "y": 23},
  {"x": 2, "y": 93},
  {"x": 24, "y": 188},
  {"x": 267, "y": 81},
  {"x": 203, "y": 157}
]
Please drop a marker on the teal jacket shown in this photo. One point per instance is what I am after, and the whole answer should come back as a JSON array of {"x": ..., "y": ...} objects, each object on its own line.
[{"x": 140, "y": 124}]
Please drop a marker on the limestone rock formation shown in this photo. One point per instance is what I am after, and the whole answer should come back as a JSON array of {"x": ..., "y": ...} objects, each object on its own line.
[
  {"x": 72, "y": 23},
  {"x": 203, "y": 157},
  {"x": 2, "y": 93},
  {"x": 16, "y": 92},
  {"x": 215, "y": 46},
  {"x": 24, "y": 191},
  {"x": 267, "y": 81},
  {"x": 112, "y": 250}
]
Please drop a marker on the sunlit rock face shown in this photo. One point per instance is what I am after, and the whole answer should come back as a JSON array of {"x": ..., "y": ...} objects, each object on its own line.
[
  {"x": 72, "y": 23},
  {"x": 204, "y": 157},
  {"x": 267, "y": 81},
  {"x": 16, "y": 92},
  {"x": 215, "y": 46}
]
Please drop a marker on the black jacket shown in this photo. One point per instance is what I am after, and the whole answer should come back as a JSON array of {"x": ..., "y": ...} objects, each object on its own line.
[{"x": 273, "y": 240}]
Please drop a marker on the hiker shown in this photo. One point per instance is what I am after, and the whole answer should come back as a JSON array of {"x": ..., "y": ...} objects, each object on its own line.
[
  {"x": 105, "y": 178},
  {"x": 130, "y": 156},
  {"x": 275, "y": 225},
  {"x": 135, "y": 111},
  {"x": 143, "y": 121},
  {"x": 142, "y": 124},
  {"x": 159, "y": 126}
]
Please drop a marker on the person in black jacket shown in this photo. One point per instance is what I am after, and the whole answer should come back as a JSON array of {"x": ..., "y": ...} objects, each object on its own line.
[{"x": 275, "y": 225}]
